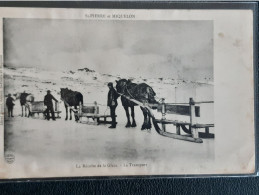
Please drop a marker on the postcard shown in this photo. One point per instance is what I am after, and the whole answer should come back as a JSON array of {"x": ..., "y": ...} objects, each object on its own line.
[{"x": 126, "y": 92}]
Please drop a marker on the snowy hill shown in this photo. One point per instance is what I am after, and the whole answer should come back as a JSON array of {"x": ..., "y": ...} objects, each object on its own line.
[{"x": 92, "y": 84}]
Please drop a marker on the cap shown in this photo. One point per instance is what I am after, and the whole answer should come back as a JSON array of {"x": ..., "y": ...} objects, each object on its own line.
[
  {"x": 48, "y": 90},
  {"x": 110, "y": 84}
]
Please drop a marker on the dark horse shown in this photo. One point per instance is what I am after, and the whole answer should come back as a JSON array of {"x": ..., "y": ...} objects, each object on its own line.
[
  {"x": 140, "y": 92},
  {"x": 71, "y": 98}
]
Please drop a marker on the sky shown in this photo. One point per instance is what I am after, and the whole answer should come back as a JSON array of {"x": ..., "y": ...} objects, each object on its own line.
[{"x": 152, "y": 49}]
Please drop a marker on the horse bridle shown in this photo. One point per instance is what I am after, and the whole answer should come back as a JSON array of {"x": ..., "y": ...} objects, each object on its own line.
[{"x": 123, "y": 93}]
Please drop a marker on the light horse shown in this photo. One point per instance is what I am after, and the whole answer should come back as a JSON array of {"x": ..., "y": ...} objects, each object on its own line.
[
  {"x": 25, "y": 100},
  {"x": 140, "y": 92}
]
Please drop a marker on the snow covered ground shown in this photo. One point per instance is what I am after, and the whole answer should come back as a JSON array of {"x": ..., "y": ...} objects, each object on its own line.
[
  {"x": 93, "y": 86},
  {"x": 42, "y": 148},
  {"x": 41, "y": 144}
]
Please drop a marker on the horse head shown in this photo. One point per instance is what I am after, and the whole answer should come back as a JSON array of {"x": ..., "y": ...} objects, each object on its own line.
[
  {"x": 63, "y": 92},
  {"x": 17, "y": 95},
  {"x": 30, "y": 98},
  {"x": 121, "y": 85}
]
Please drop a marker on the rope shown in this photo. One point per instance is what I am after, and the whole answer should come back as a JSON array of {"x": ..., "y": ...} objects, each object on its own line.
[
  {"x": 159, "y": 99},
  {"x": 105, "y": 111},
  {"x": 202, "y": 102},
  {"x": 126, "y": 86},
  {"x": 135, "y": 101},
  {"x": 94, "y": 104},
  {"x": 86, "y": 104},
  {"x": 102, "y": 105},
  {"x": 177, "y": 103}
]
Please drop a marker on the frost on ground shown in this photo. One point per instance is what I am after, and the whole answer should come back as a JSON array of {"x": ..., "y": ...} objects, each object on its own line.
[{"x": 67, "y": 141}]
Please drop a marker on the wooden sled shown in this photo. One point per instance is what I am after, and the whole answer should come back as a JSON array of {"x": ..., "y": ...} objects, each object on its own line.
[
  {"x": 92, "y": 112},
  {"x": 38, "y": 108},
  {"x": 189, "y": 110}
]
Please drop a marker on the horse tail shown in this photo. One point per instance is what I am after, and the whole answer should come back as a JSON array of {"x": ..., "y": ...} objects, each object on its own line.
[
  {"x": 151, "y": 95},
  {"x": 31, "y": 98},
  {"x": 149, "y": 90},
  {"x": 80, "y": 98}
]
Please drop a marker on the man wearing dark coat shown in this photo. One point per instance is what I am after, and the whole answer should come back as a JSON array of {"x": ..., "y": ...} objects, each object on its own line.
[
  {"x": 23, "y": 98},
  {"x": 112, "y": 103},
  {"x": 48, "y": 102},
  {"x": 10, "y": 104}
]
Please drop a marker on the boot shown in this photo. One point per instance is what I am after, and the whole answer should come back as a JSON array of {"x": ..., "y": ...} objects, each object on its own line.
[{"x": 112, "y": 127}]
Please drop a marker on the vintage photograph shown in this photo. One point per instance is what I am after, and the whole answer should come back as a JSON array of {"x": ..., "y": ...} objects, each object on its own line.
[
  {"x": 108, "y": 90},
  {"x": 126, "y": 93}
]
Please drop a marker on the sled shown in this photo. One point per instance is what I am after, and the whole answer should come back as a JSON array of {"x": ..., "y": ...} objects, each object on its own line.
[
  {"x": 190, "y": 128},
  {"x": 188, "y": 109},
  {"x": 92, "y": 112},
  {"x": 38, "y": 107}
]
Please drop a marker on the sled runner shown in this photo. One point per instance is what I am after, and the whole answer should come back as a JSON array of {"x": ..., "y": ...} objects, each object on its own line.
[{"x": 188, "y": 109}]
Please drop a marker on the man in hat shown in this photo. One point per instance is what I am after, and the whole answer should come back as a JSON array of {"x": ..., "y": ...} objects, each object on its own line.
[
  {"x": 48, "y": 102},
  {"x": 10, "y": 104},
  {"x": 112, "y": 103}
]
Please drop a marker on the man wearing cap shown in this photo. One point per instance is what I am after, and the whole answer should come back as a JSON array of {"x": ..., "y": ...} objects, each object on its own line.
[
  {"x": 48, "y": 102},
  {"x": 10, "y": 104},
  {"x": 112, "y": 103}
]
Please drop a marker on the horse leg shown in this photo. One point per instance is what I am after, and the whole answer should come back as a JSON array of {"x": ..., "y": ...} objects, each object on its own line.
[
  {"x": 25, "y": 111},
  {"x": 70, "y": 110},
  {"x": 133, "y": 117},
  {"x": 29, "y": 110},
  {"x": 66, "y": 111},
  {"x": 126, "y": 108},
  {"x": 148, "y": 122},
  {"x": 144, "y": 125},
  {"x": 28, "y": 115},
  {"x": 76, "y": 117}
]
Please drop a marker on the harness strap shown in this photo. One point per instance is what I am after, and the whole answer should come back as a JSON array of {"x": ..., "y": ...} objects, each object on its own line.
[
  {"x": 135, "y": 101},
  {"x": 129, "y": 92}
]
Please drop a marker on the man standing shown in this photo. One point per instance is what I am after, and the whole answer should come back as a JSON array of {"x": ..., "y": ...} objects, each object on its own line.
[
  {"x": 48, "y": 102},
  {"x": 10, "y": 104},
  {"x": 112, "y": 103}
]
